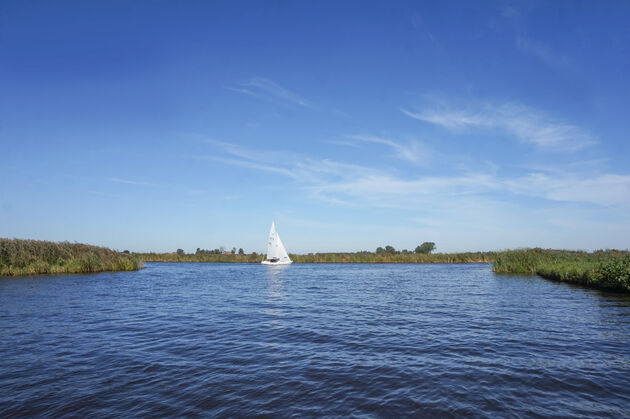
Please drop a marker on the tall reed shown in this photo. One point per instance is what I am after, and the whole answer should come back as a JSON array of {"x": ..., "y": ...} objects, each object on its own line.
[
  {"x": 604, "y": 269},
  {"x": 30, "y": 257},
  {"x": 359, "y": 257}
]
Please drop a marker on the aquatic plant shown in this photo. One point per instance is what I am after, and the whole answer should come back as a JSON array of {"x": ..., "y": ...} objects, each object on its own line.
[
  {"x": 603, "y": 269},
  {"x": 30, "y": 257},
  {"x": 358, "y": 257}
]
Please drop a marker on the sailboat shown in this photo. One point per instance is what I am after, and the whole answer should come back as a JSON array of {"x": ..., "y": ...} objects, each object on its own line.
[{"x": 276, "y": 253}]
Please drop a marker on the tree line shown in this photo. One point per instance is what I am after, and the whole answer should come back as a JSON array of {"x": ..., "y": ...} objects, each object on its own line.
[
  {"x": 220, "y": 251},
  {"x": 423, "y": 249}
]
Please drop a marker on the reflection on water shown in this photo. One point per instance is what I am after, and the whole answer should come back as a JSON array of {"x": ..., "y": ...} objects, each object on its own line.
[{"x": 275, "y": 292}]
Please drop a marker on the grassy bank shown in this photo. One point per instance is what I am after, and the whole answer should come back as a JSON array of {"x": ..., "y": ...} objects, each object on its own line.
[
  {"x": 30, "y": 257},
  {"x": 359, "y": 257},
  {"x": 368, "y": 257},
  {"x": 609, "y": 270},
  {"x": 200, "y": 258}
]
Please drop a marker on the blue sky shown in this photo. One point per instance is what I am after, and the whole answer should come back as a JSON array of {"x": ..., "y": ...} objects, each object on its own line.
[{"x": 158, "y": 125}]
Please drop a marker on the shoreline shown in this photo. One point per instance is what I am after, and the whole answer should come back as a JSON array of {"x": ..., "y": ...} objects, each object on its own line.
[
  {"x": 37, "y": 257},
  {"x": 603, "y": 269}
]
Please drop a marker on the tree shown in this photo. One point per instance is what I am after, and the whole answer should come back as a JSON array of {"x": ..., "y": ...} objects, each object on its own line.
[
  {"x": 390, "y": 249},
  {"x": 233, "y": 250},
  {"x": 425, "y": 248},
  {"x": 240, "y": 251},
  {"x": 180, "y": 252},
  {"x": 380, "y": 250}
]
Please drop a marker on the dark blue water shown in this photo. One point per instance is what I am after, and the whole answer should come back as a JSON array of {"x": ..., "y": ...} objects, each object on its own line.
[{"x": 306, "y": 340}]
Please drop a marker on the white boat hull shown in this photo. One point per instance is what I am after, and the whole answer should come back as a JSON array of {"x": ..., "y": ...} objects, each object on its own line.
[{"x": 268, "y": 262}]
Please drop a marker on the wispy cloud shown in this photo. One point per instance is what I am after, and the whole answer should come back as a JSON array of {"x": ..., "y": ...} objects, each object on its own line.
[
  {"x": 414, "y": 151},
  {"x": 349, "y": 184},
  {"x": 262, "y": 166},
  {"x": 265, "y": 88},
  {"x": 524, "y": 123},
  {"x": 130, "y": 182},
  {"x": 542, "y": 52},
  {"x": 605, "y": 189}
]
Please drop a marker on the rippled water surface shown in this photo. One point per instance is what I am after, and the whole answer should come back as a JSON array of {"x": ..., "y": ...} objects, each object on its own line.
[{"x": 303, "y": 340}]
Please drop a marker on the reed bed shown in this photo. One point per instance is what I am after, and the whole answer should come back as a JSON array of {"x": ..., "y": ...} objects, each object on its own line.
[
  {"x": 359, "y": 257},
  {"x": 32, "y": 257},
  {"x": 603, "y": 269},
  {"x": 368, "y": 257},
  {"x": 200, "y": 257}
]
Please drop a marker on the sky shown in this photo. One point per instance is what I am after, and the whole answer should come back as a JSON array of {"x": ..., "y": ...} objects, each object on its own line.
[{"x": 157, "y": 125}]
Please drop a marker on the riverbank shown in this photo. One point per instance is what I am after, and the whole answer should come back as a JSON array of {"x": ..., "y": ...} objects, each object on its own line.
[
  {"x": 32, "y": 257},
  {"x": 359, "y": 257},
  {"x": 607, "y": 270}
]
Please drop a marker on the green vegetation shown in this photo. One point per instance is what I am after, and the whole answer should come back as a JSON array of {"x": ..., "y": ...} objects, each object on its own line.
[
  {"x": 201, "y": 257},
  {"x": 399, "y": 257},
  {"x": 425, "y": 248},
  {"x": 603, "y": 269},
  {"x": 609, "y": 269},
  {"x": 30, "y": 257},
  {"x": 388, "y": 255}
]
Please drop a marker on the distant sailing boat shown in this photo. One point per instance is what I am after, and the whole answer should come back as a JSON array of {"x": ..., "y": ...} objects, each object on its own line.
[{"x": 276, "y": 253}]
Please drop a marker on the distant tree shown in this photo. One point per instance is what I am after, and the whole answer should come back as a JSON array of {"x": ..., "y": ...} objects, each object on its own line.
[
  {"x": 126, "y": 251},
  {"x": 379, "y": 250},
  {"x": 233, "y": 250},
  {"x": 240, "y": 251},
  {"x": 180, "y": 252},
  {"x": 425, "y": 248},
  {"x": 221, "y": 249},
  {"x": 198, "y": 251},
  {"x": 254, "y": 254},
  {"x": 390, "y": 249}
]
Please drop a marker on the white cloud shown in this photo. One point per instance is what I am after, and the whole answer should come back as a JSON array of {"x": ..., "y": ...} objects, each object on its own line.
[
  {"x": 350, "y": 184},
  {"x": 606, "y": 189},
  {"x": 526, "y": 124},
  {"x": 415, "y": 151},
  {"x": 265, "y": 88}
]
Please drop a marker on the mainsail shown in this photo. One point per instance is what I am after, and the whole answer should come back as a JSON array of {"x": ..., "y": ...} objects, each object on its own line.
[{"x": 275, "y": 248}]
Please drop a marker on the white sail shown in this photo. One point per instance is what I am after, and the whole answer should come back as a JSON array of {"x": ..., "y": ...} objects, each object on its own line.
[{"x": 276, "y": 253}]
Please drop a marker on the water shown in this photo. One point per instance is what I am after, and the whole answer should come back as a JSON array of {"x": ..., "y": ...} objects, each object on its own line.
[{"x": 307, "y": 340}]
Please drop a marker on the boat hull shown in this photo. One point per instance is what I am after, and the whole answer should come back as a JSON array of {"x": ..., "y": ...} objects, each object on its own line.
[{"x": 268, "y": 262}]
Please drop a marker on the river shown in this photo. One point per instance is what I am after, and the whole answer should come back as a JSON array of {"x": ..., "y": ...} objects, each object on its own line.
[{"x": 311, "y": 340}]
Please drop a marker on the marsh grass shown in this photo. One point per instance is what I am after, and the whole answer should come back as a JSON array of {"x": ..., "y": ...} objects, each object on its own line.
[
  {"x": 200, "y": 257},
  {"x": 31, "y": 257},
  {"x": 359, "y": 257},
  {"x": 368, "y": 257},
  {"x": 603, "y": 269}
]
